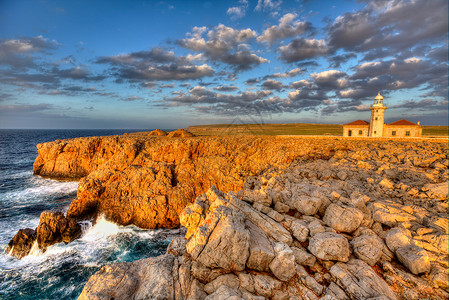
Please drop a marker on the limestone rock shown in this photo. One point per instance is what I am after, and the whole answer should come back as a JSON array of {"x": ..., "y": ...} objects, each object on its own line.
[
  {"x": 229, "y": 280},
  {"x": 414, "y": 258},
  {"x": 261, "y": 252},
  {"x": 265, "y": 285},
  {"x": 299, "y": 230},
  {"x": 306, "y": 205},
  {"x": 54, "y": 228},
  {"x": 329, "y": 246},
  {"x": 368, "y": 248},
  {"x": 302, "y": 257},
  {"x": 397, "y": 237},
  {"x": 224, "y": 293},
  {"x": 227, "y": 246},
  {"x": 343, "y": 219},
  {"x": 359, "y": 280},
  {"x": 258, "y": 196},
  {"x": 283, "y": 265},
  {"x": 21, "y": 244}
]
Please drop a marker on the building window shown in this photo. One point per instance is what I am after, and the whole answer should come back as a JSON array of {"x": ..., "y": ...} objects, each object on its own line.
[
  {"x": 360, "y": 132},
  {"x": 407, "y": 133},
  {"x": 376, "y": 118},
  {"x": 393, "y": 133},
  {"x": 349, "y": 132},
  {"x": 375, "y": 132}
]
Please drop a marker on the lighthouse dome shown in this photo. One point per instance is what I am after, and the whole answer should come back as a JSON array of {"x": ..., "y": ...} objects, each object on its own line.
[{"x": 379, "y": 97}]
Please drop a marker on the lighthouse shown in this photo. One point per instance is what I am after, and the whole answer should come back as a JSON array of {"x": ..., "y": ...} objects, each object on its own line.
[{"x": 378, "y": 108}]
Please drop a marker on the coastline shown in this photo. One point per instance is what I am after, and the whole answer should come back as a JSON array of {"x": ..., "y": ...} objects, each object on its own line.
[{"x": 101, "y": 159}]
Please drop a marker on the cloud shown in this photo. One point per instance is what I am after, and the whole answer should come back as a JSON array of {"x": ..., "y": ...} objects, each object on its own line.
[
  {"x": 20, "y": 53},
  {"x": 390, "y": 27},
  {"x": 301, "y": 49},
  {"x": 330, "y": 78},
  {"x": 24, "y": 108},
  {"x": 288, "y": 74},
  {"x": 154, "y": 65},
  {"x": 226, "y": 88},
  {"x": 287, "y": 27},
  {"x": 237, "y": 12},
  {"x": 252, "y": 81},
  {"x": 271, "y": 84},
  {"x": 267, "y": 5},
  {"x": 224, "y": 44}
]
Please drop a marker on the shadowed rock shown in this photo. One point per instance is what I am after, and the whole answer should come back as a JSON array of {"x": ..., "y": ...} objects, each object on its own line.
[{"x": 21, "y": 243}]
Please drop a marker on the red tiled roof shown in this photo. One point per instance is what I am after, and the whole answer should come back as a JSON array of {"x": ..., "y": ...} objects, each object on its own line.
[
  {"x": 358, "y": 122},
  {"x": 403, "y": 122}
]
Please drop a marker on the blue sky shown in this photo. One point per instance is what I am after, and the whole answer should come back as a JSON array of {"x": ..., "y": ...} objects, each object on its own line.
[{"x": 170, "y": 64}]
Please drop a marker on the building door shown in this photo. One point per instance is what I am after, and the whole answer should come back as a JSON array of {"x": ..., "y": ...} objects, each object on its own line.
[{"x": 349, "y": 132}]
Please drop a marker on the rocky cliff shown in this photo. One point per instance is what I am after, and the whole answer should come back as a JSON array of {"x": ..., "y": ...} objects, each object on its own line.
[
  {"x": 147, "y": 179},
  {"x": 369, "y": 223}
]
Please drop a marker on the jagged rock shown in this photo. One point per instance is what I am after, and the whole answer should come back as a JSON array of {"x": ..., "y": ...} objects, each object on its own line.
[
  {"x": 205, "y": 274},
  {"x": 414, "y": 258},
  {"x": 141, "y": 279},
  {"x": 21, "y": 244},
  {"x": 440, "y": 276},
  {"x": 302, "y": 257},
  {"x": 257, "y": 196},
  {"x": 397, "y": 237},
  {"x": 329, "y": 246},
  {"x": 333, "y": 292},
  {"x": 299, "y": 230},
  {"x": 229, "y": 280},
  {"x": 368, "y": 248},
  {"x": 343, "y": 219},
  {"x": 247, "y": 282},
  {"x": 180, "y": 133},
  {"x": 283, "y": 265},
  {"x": 305, "y": 205},
  {"x": 439, "y": 190},
  {"x": 54, "y": 228},
  {"x": 390, "y": 214},
  {"x": 270, "y": 227},
  {"x": 224, "y": 293},
  {"x": 315, "y": 227},
  {"x": 157, "y": 132},
  {"x": 265, "y": 285},
  {"x": 359, "y": 280},
  {"x": 261, "y": 252},
  {"x": 224, "y": 244}
]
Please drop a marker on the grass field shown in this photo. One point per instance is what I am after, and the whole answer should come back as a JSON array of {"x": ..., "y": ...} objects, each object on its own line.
[{"x": 291, "y": 129}]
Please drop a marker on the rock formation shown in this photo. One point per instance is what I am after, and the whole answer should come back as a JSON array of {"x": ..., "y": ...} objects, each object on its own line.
[
  {"x": 53, "y": 228},
  {"x": 379, "y": 232},
  {"x": 157, "y": 132}
]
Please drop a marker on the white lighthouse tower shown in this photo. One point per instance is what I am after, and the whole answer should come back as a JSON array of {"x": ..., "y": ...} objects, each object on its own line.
[{"x": 376, "y": 125}]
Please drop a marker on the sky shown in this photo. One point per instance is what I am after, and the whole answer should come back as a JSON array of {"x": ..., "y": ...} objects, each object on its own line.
[{"x": 171, "y": 64}]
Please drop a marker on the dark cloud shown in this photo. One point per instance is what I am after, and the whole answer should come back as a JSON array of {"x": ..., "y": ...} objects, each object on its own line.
[
  {"x": 271, "y": 84},
  {"x": 21, "y": 53},
  {"x": 224, "y": 44},
  {"x": 252, "y": 81},
  {"x": 336, "y": 60},
  {"x": 226, "y": 88},
  {"x": 288, "y": 27},
  {"x": 302, "y": 49},
  {"x": 154, "y": 65},
  {"x": 390, "y": 27}
]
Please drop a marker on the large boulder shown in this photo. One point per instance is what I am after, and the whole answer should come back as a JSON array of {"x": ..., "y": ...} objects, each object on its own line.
[
  {"x": 157, "y": 132},
  {"x": 368, "y": 248},
  {"x": 360, "y": 281},
  {"x": 343, "y": 218},
  {"x": 54, "y": 227},
  {"x": 329, "y": 246},
  {"x": 21, "y": 244},
  {"x": 414, "y": 258},
  {"x": 261, "y": 251},
  {"x": 283, "y": 265},
  {"x": 398, "y": 237}
]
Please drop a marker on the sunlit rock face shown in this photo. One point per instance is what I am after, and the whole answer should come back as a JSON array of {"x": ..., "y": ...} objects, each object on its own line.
[{"x": 241, "y": 245}]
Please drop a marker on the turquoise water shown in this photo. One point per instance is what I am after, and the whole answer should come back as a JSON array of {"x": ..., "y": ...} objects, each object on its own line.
[{"x": 62, "y": 271}]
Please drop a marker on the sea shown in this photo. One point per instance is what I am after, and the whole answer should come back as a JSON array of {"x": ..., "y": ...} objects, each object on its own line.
[{"x": 62, "y": 271}]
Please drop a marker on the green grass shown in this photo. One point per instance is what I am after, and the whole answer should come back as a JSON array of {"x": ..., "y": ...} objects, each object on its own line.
[
  {"x": 267, "y": 129},
  {"x": 291, "y": 129},
  {"x": 435, "y": 130}
]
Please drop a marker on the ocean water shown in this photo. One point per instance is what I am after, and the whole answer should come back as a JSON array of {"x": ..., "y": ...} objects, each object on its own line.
[{"x": 62, "y": 271}]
